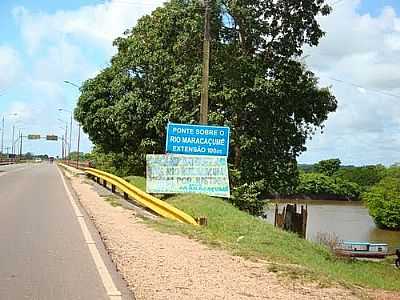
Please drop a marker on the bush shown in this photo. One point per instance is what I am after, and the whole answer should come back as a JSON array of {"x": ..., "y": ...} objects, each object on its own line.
[
  {"x": 319, "y": 184},
  {"x": 245, "y": 197},
  {"x": 365, "y": 177},
  {"x": 383, "y": 201},
  {"x": 118, "y": 163}
]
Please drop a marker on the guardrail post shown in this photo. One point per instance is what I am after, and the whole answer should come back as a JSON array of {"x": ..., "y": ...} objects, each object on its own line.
[
  {"x": 202, "y": 221},
  {"x": 98, "y": 180},
  {"x": 113, "y": 188},
  {"x": 126, "y": 196},
  {"x": 104, "y": 183}
]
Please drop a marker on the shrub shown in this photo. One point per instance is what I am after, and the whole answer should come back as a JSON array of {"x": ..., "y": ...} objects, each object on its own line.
[
  {"x": 383, "y": 201},
  {"x": 245, "y": 197},
  {"x": 365, "y": 177},
  {"x": 319, "y": 184}
]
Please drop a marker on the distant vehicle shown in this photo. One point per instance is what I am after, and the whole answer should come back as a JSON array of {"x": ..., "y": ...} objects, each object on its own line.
[
  {"x": 362, "y": 250},
  {"x": 51, "y": 159},
  {"x": 38, "y": 160}
]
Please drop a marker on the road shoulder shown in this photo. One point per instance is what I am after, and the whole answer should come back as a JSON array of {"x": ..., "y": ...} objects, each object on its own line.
[{"x": 115, "y": 285}]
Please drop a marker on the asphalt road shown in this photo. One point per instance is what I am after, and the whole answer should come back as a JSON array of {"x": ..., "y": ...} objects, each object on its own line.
[{"x": 43, "y": 253}]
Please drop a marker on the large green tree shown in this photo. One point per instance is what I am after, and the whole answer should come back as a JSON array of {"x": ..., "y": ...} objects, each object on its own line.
[
  {"x": 328, "y": 167},
  {"x": 258, "y": 85}
]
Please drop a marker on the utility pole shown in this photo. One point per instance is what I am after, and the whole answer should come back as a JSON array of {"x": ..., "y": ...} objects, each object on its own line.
[
  {"x": 66, "y": 140},
  {"x": 79, "y": 141},
  {"x": 12, "y": 143},
  {"x": 206, "y": 65},
  {"x": 62, "y": 147},
  {"x": 20, "y": 147},
  {"x": 2, "y": 138},
  {"x": 70, "y": 139}
]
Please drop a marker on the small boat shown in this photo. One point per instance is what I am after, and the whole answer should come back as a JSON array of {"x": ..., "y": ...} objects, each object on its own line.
[{"x": 362, "y": 250}]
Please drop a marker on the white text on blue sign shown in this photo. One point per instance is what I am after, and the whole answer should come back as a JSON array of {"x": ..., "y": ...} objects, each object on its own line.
[{"x": 197, "y": 140}]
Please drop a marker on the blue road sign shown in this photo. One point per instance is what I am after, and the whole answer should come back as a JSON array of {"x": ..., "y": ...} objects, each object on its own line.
[{"x": 197, "y": 140}]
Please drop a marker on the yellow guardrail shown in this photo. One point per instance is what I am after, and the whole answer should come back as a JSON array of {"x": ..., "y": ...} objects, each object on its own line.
[{"x": 156, "y": 205}]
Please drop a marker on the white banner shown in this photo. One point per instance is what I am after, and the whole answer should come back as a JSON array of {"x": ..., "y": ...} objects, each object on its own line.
[{"x": 178, "y": 174}]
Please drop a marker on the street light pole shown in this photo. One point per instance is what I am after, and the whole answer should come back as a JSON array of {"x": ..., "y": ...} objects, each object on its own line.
[
  {"x": 70, "y": 130},
  {"x": 70, "y": 139},
  {"x": 66, "y": 140},
  {"x": 79, "y": 141},
  {"x": 79, "y": 125},
  {"x": 12, "y": 141},
  {"x": 20, "y": 147},
  {"x": 62, "y": 147}
]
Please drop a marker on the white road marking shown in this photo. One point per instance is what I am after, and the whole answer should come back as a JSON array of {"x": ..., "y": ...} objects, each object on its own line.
[{"x": 106, "y": 278}]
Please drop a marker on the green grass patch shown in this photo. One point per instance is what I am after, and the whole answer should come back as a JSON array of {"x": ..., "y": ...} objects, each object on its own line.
[
  {"x": 285, "y": 253},
  {"x": 139, "y": 182}
]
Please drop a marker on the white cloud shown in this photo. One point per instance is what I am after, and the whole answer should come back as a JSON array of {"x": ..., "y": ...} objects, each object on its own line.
[
  {"x": 362, "y": 52},
  {"x": 10, "y": 66},
  {"x": 98, "y": 24},
  {"x": 65, "y": 45}
]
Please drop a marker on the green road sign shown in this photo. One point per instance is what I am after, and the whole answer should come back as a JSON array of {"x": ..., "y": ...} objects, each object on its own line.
[
  {"x": 34, "y": 137},
  {"x": 52, "y": 138}
]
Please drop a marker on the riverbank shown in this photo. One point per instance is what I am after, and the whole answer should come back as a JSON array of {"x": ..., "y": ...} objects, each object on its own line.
[
  {"x": 162, "y": 266},
  {"x": 250, "y": 237}
]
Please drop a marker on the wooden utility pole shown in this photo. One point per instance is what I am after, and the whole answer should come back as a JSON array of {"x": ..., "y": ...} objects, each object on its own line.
[{"x": 206, "y": 65}]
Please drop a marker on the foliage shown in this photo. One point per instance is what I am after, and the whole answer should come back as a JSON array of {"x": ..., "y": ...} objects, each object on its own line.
[
  {"x": 328, "y": 167},
  {"x": 307, "y": 168},
  {"x": 245, "y": 197},
  {"x": 258, "y": 87},
  {"x": 320, "y": 184},
  {"x": 393, "y": 172},
  {"x": 116, "y": 163},
  {"x": 82, "y": 156},
  {"x": 383, "y": 201},
  {"x": 365, "y": 176}
]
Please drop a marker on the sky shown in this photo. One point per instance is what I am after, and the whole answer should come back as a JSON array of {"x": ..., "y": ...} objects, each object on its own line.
[{"x": 45, "y": 42}]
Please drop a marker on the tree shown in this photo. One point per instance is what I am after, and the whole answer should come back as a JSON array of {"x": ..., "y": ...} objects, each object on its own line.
[
  {"x": 383, "y": 201},
  {"x": 365, "y": 177},
  {"x": 258, "y": 85},
  {"x": 328, "y": 167}
]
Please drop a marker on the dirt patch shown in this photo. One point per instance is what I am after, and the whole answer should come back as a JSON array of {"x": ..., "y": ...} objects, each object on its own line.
[{"x": 163, "y": 266}]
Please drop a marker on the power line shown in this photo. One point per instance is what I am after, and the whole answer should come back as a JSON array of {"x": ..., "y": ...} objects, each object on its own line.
[
  {"x": 336, "y": 3},
  {"x": 363, "y": 87}
]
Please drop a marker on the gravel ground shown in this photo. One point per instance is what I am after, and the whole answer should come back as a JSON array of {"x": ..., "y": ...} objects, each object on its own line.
[{"x": 163, "y": 266}]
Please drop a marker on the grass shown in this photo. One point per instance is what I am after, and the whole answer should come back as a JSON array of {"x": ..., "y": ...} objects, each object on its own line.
[
  {"x": 139, "y": 182},
  {"x": 250, "y": 237}
]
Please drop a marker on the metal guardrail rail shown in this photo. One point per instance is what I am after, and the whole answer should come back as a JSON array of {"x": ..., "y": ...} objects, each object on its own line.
[
  {"x": 156, "y": 205},
  {"x": 7, "y": 162}
]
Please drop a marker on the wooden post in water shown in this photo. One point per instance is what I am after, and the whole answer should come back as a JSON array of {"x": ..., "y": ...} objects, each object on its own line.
[{"x": 291, "y": 220}]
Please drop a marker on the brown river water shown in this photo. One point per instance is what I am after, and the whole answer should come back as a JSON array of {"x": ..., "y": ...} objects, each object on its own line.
[{"x": 350, "y": 221}]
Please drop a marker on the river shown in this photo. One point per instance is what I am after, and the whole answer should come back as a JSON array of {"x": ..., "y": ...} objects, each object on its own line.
[{"x": 350, "y": 221}]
